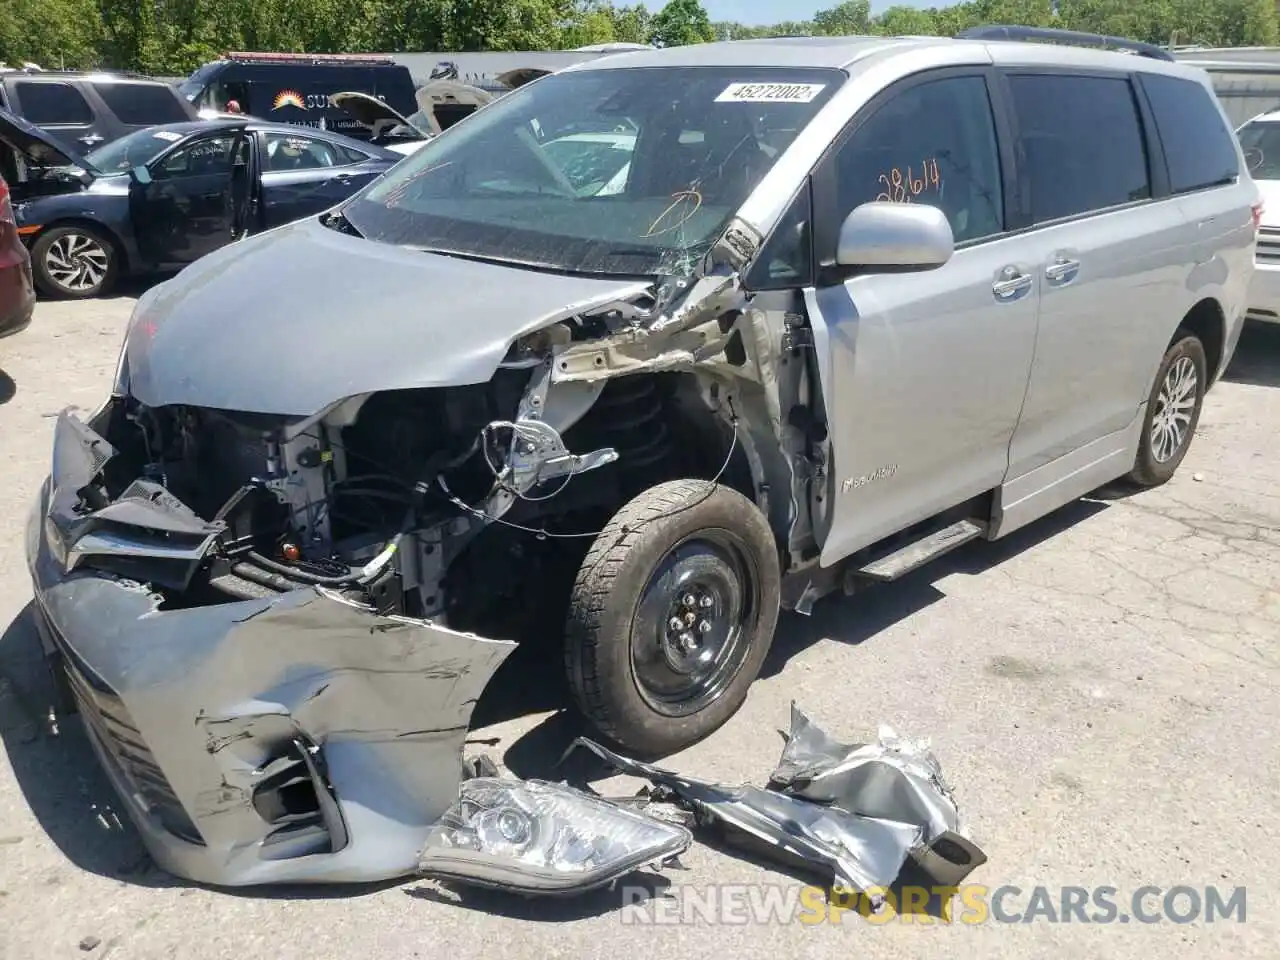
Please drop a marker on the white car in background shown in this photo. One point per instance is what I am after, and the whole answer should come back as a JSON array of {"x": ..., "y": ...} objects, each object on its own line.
[{"x": 1260, "y": 139}]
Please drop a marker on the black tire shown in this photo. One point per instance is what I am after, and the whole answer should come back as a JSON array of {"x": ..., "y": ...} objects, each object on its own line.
[
  {"x": 675, "y": 541},
  {"x": 1158, "y": 453},
  {"x": 50, "y": 251}
]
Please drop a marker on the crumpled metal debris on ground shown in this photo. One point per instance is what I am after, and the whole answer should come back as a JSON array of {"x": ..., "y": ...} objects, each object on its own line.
[
  {"x": 894, "y": 780},
  {"x": 861, "y": 811}
]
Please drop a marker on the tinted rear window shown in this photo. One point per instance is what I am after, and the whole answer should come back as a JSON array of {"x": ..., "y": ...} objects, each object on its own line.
[
  {"x": 142, "y": 104},
  {"x": 1198, "y": 146},
  {"x": 1082, "y": 145},
  {"x": 52, "y": 103}
]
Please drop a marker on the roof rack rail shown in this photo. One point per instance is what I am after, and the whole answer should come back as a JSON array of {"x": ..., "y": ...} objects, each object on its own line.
[
  {"x": 75, "y": 71},
  {"x": 311, "y": 58},
  {"x": 1074, "y": 37}
]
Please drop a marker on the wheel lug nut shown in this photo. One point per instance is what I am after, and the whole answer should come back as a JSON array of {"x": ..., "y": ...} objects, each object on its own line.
[
  {"x": 704, "y": 626},
  {"x": 688, "y": 640},
  {"x": 675, "y": 625},
  {"x": 689, "y": 600},
  {"x": 706, "y": 603}
]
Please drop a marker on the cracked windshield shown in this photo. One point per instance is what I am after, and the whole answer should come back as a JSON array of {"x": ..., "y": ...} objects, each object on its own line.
[{"x": 619, "y": 172}]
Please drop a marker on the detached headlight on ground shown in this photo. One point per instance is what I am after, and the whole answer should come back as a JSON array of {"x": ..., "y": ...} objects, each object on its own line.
[{"x": 538, "y": 837}]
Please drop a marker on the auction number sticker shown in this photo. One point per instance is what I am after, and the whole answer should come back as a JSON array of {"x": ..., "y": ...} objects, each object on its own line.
[{"x": 770, "y": 92}]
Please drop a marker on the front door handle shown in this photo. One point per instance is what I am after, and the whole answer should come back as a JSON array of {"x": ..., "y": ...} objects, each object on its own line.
[
  {"x": 1061, "y": 268},
  {"x": 90, "y": 140},
  {"x": 1004, "y": 289}
]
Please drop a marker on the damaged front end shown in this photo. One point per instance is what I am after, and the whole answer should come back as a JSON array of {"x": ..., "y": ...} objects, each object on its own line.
[
  {"x": 276, "y": 627},
  {"x": 281, "y": 564}
]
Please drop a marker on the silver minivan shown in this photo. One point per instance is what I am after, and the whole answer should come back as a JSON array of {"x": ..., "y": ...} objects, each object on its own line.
[{"x": 635, "y": 357}]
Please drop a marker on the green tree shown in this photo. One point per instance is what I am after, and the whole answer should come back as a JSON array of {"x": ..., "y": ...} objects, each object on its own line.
[
  {"x": 52, "y": 33},
  {"x": 681, "y": 22},
  {"x": 591, "y": 22},
  {"x": 905, "y": 22},
  {"x": 851, "y": 18},
  {"x": 631, "y": 24}
]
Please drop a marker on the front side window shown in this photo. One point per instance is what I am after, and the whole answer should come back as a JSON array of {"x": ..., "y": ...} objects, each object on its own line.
[
  {"x": 209, "y": 155},
  {"x": 1198, "y": 145},
  {"x": 632, "y": 172},
  {"x": 52, "y": 104},
  {"x": 1081, "y": 143},
  {"x": 287, "y": 152},
  {"x": 933, "y": 143}
]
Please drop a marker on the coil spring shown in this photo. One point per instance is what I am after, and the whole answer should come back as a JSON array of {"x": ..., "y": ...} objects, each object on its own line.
[{"x": 629, "y": 416}]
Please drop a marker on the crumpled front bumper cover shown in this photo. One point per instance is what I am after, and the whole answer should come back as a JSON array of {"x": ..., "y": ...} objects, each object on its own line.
[{"x": 295, "y": 738}]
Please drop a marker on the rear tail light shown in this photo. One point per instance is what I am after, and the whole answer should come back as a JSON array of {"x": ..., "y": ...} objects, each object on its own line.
[{"x": 1257, "y": 214}]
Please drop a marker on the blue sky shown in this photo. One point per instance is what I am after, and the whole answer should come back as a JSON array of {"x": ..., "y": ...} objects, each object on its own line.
[{"x": 754, "y": 12}]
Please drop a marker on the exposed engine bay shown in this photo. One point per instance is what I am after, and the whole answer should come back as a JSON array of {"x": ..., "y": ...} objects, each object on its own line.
[
  {"x": 380, "y": 496},
  {"x": 457, "y": 502}
]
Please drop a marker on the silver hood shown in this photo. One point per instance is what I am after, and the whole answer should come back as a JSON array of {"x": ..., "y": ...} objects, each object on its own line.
[{"x": 298, "y": 318}]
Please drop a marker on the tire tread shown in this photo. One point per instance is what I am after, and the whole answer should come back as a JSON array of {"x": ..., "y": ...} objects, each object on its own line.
[{"x": 586, "y": 630}]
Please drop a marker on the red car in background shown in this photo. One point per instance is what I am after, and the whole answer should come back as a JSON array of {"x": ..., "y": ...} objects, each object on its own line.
[{"x": 17, "y": 294}]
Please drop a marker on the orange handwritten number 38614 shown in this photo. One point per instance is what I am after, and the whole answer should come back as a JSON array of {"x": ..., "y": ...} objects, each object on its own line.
[{"x": 902, "y": 187}]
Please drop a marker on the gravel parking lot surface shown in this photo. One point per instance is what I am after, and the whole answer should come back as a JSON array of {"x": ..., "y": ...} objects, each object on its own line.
[{"x": 1100, "y": 688}]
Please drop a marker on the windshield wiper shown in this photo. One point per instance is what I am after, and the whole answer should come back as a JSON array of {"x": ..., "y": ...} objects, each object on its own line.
[
  {"x": 527, "y": 264},
  {"x": 484, "y": 258}
]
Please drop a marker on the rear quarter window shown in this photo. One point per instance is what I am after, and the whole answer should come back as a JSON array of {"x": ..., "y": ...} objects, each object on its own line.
[
  {"x": 1199, "y": 148},
  {"x": 142, "y": 104},
  {"x": 50, "y": 103},
  {"x": 349, "y": 156}
]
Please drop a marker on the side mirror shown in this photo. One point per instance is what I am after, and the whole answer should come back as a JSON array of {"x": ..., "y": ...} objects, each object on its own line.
[
  {"x": 895, "y": 237},
  {"x": 140, "y": 175}
]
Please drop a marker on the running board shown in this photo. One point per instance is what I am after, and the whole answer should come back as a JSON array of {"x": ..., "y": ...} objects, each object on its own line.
[{"x": 919, "y": 552}]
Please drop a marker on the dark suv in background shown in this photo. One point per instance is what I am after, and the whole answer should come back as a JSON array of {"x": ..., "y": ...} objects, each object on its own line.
[{"x": 86, "y": 110}]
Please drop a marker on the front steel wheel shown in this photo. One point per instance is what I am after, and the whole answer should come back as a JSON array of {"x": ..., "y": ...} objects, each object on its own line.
[
  {"x": 690, "y": 633},
  {"x": 672, "y": 615}
]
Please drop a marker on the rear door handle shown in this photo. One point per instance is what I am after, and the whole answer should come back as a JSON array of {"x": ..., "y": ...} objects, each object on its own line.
[
  {"x": 1011, "y": 285},
  {"x": 1061, "y": 268}
]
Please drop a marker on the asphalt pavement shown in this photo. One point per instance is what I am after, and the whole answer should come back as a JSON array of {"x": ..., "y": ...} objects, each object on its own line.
[{"x": 1101, "y": 689}]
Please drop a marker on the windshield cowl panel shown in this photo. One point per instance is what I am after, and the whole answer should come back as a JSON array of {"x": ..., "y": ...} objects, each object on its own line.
[{"x": 616, "y": 172}]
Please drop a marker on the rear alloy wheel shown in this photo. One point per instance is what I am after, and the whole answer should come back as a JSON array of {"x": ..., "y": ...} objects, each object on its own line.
[
  {"x": 74, "y": 261},
  {"x": 1173, "y": 412},
  {"x": 672, "y": 615}
]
